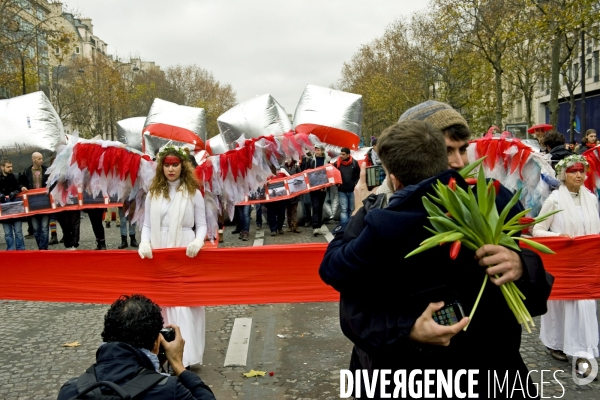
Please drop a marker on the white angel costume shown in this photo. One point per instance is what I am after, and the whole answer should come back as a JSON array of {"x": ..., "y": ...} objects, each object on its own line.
[
  {"x": 170, "y": 223},
  {"x": 570, "y": 325}
]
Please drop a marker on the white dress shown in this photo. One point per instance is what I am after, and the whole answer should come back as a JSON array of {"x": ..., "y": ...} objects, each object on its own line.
[
  {"x": 191, "y": 320},
  {"x": 569, "y": 325}
]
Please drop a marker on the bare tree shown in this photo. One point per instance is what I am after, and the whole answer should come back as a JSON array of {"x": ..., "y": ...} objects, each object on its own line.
[{"x": 196, "y": 87}]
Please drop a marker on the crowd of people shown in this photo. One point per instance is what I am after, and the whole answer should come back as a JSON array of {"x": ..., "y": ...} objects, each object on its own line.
[
  {"x": 42, "y": 227},
  {"x": 387, "y": 301}
]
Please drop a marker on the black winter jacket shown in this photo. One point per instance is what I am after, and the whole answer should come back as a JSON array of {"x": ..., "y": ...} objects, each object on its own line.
[
  {"x": 118, "y": 362},
  {"x": 350, "y": 174},
  {"x": 382, "y": 293},
  {"x": 8, "y": 186},
  {"x": 26, "y": 178},
  {"x": 558, "y": 153}
]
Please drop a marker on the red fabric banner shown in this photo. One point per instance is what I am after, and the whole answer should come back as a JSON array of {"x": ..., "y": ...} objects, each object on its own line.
[
  {"x": 249, "y": 275},
  {"x": 575, "y": 267}
]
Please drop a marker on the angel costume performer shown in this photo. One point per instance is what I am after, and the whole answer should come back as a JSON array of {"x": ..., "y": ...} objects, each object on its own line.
[
  {"x": 170, "y": 223},
  {"x": 570, "y": 326}
]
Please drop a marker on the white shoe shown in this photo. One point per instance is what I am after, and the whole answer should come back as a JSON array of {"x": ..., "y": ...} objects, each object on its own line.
[
  {"x": 72, "y": 248},
  {"x": 316, "y": 231}
]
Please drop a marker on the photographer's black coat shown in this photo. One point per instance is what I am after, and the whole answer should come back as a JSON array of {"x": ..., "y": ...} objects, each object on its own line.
[{"x": 118, "y": 363}]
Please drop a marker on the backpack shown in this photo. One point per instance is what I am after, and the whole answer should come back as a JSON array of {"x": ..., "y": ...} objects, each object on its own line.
[{"x": 89, "y": 388}]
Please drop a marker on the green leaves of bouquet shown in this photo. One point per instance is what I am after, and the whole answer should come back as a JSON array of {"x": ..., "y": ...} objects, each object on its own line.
[{"x": 473, "y": 222}]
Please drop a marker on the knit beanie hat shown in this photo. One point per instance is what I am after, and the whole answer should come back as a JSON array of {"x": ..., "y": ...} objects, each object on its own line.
[{"x": 440, "y": 115}]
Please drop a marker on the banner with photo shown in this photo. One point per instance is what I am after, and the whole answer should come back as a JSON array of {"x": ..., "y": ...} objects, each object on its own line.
[
  {"x": 295, "y": 185},
  {"x": 39, "y": 201}
]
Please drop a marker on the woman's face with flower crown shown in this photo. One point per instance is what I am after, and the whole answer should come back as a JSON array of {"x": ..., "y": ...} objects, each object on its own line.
[{"x": 172, "y": 168}]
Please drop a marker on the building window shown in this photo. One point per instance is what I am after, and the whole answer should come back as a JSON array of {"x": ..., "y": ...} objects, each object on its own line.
[
  {"x": 575, "y": 72},
  {"x": 40, "y": 14},
  {"x": 588, "y": 67},
  {"x": 519, "y": 109},
  {"x": 596, "y": 66},
  {"x": 57, "y": 50},
  {"x": 77, "y": 50}
]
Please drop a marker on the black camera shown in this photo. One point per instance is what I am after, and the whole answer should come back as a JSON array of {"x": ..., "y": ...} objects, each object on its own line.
[{"x": 168, "y": 334}]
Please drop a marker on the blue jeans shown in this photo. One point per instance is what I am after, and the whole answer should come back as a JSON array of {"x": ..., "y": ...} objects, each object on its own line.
[
  {"x": 124, "y": 223},
  {"x": 13, "y": 234},
  {"x": 346, "y": 205},
  {"x": 244, "y": 217},
  {"x": 40, "y": 225},
  {"x": 258, "y": 209}
]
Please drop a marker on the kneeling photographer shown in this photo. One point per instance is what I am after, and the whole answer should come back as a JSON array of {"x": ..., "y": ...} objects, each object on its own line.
[{"x": 127, "y": 363}]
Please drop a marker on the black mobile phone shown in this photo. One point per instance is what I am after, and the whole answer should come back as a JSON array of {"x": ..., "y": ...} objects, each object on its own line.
[
  {"x": 375, "y": 176},
  {"x": 450, "y": 314}
]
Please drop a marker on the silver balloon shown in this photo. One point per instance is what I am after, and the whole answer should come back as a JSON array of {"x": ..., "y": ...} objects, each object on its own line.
[
  {"x": 216, "y": 145},
  {"x": 28, "y": 124},
  {"x": 332, "y": 115},
  {"x": 129, "y": 132},
  {"x": 191, "y": 119},
  {"x": 260, "y": 116}
]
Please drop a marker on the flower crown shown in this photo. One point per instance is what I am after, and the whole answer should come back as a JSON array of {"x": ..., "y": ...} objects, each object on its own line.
[
  {"x": 570, "y": 160},
  {"x": 173, "y": 149}
]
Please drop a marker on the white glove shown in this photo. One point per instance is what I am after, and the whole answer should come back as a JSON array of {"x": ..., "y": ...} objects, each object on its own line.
[
  {"x": 194, "y": 247},
  {"x": 145, "y": 250}
]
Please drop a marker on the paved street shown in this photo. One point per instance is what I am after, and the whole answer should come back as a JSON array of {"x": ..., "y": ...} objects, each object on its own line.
[{"x": 300, "y": 343}]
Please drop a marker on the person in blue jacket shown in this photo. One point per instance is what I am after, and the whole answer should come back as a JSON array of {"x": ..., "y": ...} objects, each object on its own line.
[
  {"x": 132, "y": 340},
  {"x": 387, "y": 301}
]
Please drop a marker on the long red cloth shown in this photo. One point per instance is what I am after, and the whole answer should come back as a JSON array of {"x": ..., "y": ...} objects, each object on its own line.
[
  {"x": 250, "y": 275},
  {"x": 575, "y": 267}
]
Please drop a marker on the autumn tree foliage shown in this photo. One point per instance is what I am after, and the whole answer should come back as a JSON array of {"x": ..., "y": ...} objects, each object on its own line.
[{"x": 480, "y": 56}]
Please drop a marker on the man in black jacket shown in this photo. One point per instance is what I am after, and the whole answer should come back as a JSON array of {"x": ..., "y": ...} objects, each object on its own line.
[
  {"x": 9, "y": 188},
  {"x": 387, "y": 301},
  {"x": 350, "y": 172},
  {"x": 35, "y": 177},
  {"x": 132, "y": 340}
]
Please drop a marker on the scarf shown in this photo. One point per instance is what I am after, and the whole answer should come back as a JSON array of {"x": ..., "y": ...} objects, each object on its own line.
[
  {"x": 590, "y": 145},
  {"x": 572, "y": 223},
  {"x": 345, "y": 163},
  {"x": 175, "y": 214}
]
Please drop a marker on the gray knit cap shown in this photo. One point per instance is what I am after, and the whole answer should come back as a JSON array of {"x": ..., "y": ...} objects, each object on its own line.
[{"x": 440, "y": 115}]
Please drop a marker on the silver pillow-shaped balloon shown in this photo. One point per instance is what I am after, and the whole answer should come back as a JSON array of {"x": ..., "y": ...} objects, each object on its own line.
[
  {"x": 28, "y": 124},
  {"x": 170, "y": 123},
  {"x": 335, "y": 117},
  {"x": 216, "y": 145},
  {"x": 260, "y": 116},
  {"x": 129, "y": 132}
]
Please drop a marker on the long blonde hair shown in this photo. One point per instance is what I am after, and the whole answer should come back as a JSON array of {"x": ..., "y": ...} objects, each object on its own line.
[{"x": 187, "y": 180}]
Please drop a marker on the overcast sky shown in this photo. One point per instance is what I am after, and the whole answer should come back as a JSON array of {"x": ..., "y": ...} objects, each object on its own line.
[{"x": 257, "y": 46}]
